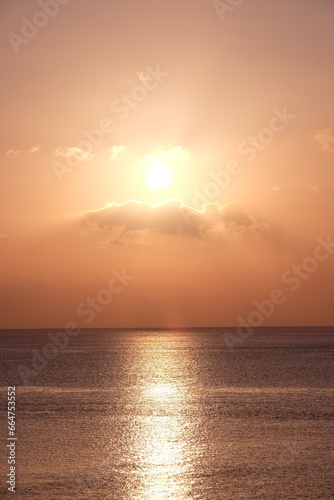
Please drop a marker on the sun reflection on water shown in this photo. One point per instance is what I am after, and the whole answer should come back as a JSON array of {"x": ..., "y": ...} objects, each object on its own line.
[
  {"x": 163, "y": 458},
  {"x": 161, "y": 392},
  {"x": 162, "y": 443}
]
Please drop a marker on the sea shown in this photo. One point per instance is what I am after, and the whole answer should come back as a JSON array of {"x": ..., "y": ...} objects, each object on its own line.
[{"x": 177, "y": 414}]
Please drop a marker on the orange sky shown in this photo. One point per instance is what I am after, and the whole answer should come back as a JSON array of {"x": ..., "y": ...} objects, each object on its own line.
[{"x": 238, "y": 106}]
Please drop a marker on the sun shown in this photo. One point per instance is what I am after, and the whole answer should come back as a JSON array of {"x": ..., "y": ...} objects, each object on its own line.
[{"x": 159, "y": 176}]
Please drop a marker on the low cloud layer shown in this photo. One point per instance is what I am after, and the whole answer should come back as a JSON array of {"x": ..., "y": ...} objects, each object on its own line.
[{"x": 171, "y": 217}]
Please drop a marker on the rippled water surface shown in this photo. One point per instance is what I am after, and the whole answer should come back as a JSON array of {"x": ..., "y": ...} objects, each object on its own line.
[{"x": 157, "y": 415}]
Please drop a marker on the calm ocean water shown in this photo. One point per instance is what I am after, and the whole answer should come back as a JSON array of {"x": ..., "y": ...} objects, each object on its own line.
[{"x": 157, "y": 415}]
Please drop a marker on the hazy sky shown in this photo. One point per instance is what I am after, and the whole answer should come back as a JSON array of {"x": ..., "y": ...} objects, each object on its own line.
[{"x": 237, "y": 102}]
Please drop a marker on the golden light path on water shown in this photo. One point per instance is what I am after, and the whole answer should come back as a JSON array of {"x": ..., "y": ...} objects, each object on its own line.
[{"x": 161, "y": 443}]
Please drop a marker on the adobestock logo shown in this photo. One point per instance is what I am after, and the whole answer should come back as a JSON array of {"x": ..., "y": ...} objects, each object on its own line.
[
  {"x": 40, "y": 19},
  {"x": 97, "y": 304},
  {"x": 60, "y": 340},
  {"x": 249, "y": 148},
  {"x": 293, "y": 278}
]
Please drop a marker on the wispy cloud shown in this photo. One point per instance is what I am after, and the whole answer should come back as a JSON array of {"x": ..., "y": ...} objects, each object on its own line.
[
  {"x": 35, "y": 149},
  {"x": 12, "y": 152},
  {"x": 116, "y": 151},
  {"x": 143, "y": 76},
  {"x": 68, "y": 152}
]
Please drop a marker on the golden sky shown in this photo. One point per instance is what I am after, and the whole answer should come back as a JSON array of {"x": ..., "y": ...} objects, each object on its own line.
[{"x": 186, "y": 144}]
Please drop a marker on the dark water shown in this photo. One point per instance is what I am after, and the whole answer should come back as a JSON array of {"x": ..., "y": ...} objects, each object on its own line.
[{"x": 157, "y": 415}]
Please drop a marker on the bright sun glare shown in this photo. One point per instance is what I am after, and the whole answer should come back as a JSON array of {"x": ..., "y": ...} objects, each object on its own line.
[{"x": 159, "y": 176}]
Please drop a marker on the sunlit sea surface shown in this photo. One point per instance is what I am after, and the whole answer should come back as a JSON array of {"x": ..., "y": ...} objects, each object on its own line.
[{"x": 172, "y": 414}]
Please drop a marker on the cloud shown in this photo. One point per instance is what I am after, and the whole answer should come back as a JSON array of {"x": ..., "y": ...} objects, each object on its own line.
[
  {"x": 143, "y": 76},
  {"x": 116, "y": 151},
  {"x": 134, "y": 221},
  {"x": 12, "y": 152},
  {"x": 35, "y": 149},
  {"x": 325, "y": 139},
  {"x": 70, "y": 152}
]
